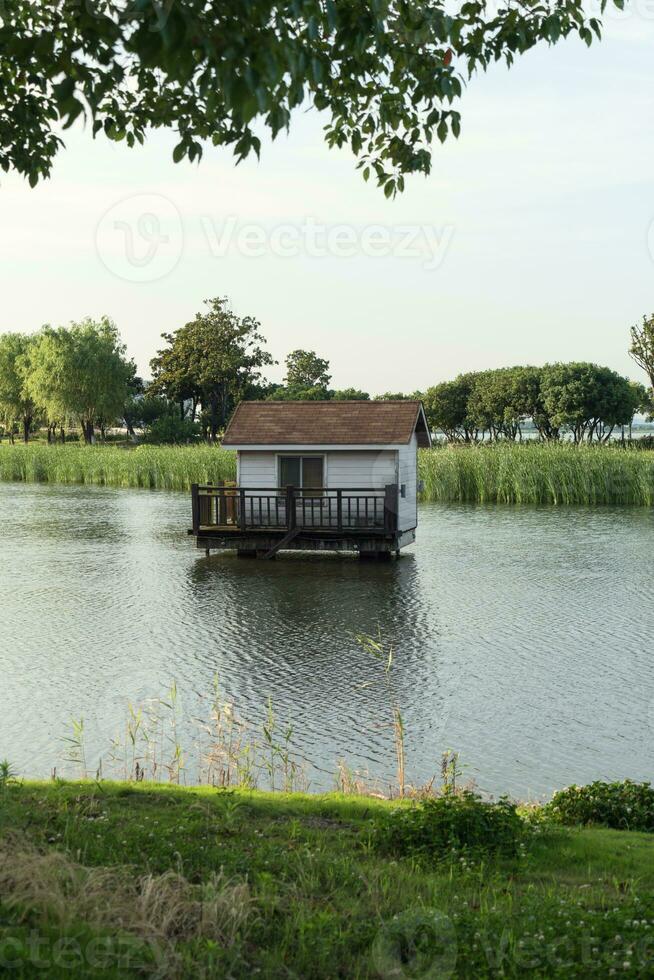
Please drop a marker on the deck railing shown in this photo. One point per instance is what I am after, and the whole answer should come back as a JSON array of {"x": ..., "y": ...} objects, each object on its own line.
[{"x": 349, "y": 510}]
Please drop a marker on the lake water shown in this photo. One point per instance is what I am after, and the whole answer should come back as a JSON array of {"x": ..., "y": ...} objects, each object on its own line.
[{"x": 523, "y": 637}]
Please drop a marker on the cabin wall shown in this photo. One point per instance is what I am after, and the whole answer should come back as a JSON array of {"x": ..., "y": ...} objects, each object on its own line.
[
  {"x": 354, "y": 468},
  {"x": 361, "y": 468},
  {"x": 408, "y": 470},
  {"x": 257, "y": 469}
]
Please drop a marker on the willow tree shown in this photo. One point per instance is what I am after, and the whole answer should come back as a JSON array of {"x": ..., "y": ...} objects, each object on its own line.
[
  {"x": 80, "y": 372},
  {"x": 388, "y": 74},
  {"x": 16, "y": 406}
]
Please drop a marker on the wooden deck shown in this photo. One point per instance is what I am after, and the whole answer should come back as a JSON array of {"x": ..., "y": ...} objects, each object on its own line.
[{"x": 265, "y": 520}]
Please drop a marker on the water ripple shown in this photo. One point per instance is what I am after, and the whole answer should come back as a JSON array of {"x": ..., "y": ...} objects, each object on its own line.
[{"x": 523, "y": 636}]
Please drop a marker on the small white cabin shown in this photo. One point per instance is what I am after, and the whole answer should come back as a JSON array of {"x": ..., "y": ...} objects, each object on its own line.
[{"x": 332, "y": 475}]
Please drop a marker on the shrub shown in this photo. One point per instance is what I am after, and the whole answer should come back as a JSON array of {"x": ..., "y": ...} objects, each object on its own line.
[
  {"x": 171, "y": 430},
  {"x": 452, "y": 822},
  {"x": 623, "y": 806}
]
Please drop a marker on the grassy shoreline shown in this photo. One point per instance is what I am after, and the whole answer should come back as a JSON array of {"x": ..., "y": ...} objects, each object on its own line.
[
  {"x": 205, "y": 882},
  {"x": 559, "y": 474}
]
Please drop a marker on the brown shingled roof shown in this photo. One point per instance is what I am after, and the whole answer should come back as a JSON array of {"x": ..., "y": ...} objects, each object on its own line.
[{"x": 328, "y": 423}]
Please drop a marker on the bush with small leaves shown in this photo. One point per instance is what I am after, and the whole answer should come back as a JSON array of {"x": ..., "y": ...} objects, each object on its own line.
[
  {"x": 622, "y": 805},
  {"x": 171, "y": 430},
  {"x": 452, "y": 823}
]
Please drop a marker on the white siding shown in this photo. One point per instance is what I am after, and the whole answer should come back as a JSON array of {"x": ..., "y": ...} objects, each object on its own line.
[
  {"x": 408, "y": 509},
  {"x": 257, "y": 469},
  {"x": 361, "y": 468}
]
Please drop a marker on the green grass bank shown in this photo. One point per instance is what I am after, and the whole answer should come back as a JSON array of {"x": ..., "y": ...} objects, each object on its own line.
[
  {"x": 154, "y": 467},
  {"x": 120, "y": 880},
  {"x": 505, "y": 473}
]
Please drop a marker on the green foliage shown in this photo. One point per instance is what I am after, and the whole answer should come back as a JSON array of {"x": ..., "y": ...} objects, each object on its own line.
[
  {"x": 642, "y": 346},
  {"x": 579, "y": 904},
  {"x": 7, "y": 773},
  {"x": 507, "y": 473},
  {"x": 582, "y": 399},
  {"x": 350, "y": 395},
  {"x": 79, "y": 372},
  {"x": 286, "y": 394},
  {"x": 16, "y": 406},
  {"x": 170, "y": 429},
  {"x": 500, "y": 401},
  {"x": 386, "y": 74},
  {"x": 587, "y": 400},
  {"x": 537, "y": 473},
  {"x": 154, "y": 467},
  {"x": 446, "y": 408},
  {"x": 214, "y": 359},
  {"x": 621, "y": 805},
  {"x": 304, "y": 369},
  {"x": 454, "y": 822},
  {"x": 307, "y": 379}
]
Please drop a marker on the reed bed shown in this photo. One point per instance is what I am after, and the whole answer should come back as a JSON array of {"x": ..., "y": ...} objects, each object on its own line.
[
  {"x": 153, "y": 467},
  {"x": 538, "y": 474},
  {"x": 508, "y": 473}
]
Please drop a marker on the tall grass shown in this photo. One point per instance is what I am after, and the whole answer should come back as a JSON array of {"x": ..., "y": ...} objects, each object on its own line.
[
  {"x": 538, "y": 474},
  {"x": 529, "y": 473},
  {"x": 160, "y": 467}
]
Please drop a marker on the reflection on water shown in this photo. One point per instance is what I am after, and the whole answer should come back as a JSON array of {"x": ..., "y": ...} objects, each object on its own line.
[{"x": 523, "y": 636}]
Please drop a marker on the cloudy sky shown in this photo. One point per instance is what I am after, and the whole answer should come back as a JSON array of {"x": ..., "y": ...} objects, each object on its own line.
[{"x": 530, "y": 242}]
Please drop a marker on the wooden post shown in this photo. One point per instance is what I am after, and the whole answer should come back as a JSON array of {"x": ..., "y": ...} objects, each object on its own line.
[
  {"x": 291, "y": 516},
  {"x": 241, "y": 516},
  {"x": 206, "y": 506},
  {"x": 195, "y": 507},
  {"x": 390, "y": 507},
  {"x": 222, "y": 514},
  {"x": 339, "y": 509}
]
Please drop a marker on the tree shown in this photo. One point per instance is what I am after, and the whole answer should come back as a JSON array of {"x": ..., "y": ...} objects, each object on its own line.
[
  {"x": 132, "y": 410},
  {"x": 317, "y": 393},
  {"x": 79, "y": 372},
  {"x": 304, "y": 369},
  {"x": 385, "y": 72},
  {"x": 501, "y": 400},
  {"x": 642, "y": 346},
  {"x": 214, "y": 359},
  {"x": 16, "y": 407},
  {"x": 587, "y": 400},
  {"x": 350, "y": 395},
  {"x": 446, "y": 407},
  {"x": 171, "y": 373},
  {"x": 307, "y": 379}
]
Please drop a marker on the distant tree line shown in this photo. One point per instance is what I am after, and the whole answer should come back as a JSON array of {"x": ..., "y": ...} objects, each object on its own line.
[
  {"x": 578, "y": 398},
  {"x": 81, "y": 376}
]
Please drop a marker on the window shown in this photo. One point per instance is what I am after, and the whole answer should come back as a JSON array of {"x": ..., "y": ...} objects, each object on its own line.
[
  {"x": 290, "y": 471},
  {"x": 306, "y": 472}
]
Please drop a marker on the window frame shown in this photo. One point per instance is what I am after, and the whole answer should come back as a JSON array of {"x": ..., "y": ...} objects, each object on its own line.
[{"x": 301, "y": 456}]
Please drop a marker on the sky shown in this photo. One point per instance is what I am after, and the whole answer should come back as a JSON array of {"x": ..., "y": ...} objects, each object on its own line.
[{"x": 531, "y": 241}]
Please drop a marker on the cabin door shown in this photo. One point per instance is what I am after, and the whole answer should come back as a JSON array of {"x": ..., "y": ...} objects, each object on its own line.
[{"x": 307, "y": 473}]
